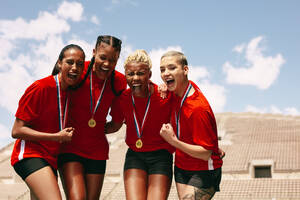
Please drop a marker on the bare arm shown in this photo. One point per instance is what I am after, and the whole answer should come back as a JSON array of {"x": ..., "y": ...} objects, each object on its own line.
[
  {"x": 195, "y": 151},
  {"x": 112, "y": 127},
  {"x": 21, "y": 130}
]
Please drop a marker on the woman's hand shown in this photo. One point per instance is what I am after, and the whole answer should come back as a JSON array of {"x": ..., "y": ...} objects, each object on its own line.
[
  {"x": 163, "y": 90},
  {"x": 168, "y": 134},
  {"x": 66, "y": 134}
]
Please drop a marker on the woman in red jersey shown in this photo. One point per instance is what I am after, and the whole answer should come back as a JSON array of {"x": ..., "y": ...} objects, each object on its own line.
[
  {"x": 148, "y": 162},
  {"x": 193, "y": 132},
  {"x": 82, "y": 161},
  {"x": 40, "y": 125}
]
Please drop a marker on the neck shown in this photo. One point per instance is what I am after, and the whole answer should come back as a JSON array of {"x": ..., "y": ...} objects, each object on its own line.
[{"x": 181, "y": 88}]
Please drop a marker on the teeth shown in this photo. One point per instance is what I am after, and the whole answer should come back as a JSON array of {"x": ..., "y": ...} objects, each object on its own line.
[
  {"x": 104, "y": 68},
  {"x": 169, "y": 81},
  {"x": 73, "y": 75}
]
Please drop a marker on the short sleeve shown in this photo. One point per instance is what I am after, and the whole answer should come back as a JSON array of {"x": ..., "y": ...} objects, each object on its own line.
[
  {"x": 204, "y": 130},
  {"x": 30, "y": 103}
]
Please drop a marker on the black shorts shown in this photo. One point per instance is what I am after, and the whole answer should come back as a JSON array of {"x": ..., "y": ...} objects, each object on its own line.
[
  {"x": 153, "y": 162},
  {"x": 90, "y": 166},
  {"x": 27, "y": 166},
  {"x": 199, "y": 179}
]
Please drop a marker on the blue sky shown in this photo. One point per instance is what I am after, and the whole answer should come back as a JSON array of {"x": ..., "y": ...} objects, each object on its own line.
[{"x": 244, "y": 55}]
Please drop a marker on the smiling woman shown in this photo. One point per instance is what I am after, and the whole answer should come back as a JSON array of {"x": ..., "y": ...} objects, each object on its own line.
[
  {"x": 82, "y": 161},
  {"x": 148, "y": 161},
  {"x": 40, "y": 125}
]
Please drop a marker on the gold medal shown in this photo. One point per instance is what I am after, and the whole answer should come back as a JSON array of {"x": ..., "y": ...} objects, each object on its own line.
[
  {"x": 92, "y": 123},
  {"x": 139, "y": 144}
]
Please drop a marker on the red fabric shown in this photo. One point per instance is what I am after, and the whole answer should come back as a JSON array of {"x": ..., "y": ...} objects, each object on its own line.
[
  {"x": 38, "y": 107},
  {"x": 158, "y": 113},
  {"x": 91, "y": 142},
  {"x": 197, "y": 127}
]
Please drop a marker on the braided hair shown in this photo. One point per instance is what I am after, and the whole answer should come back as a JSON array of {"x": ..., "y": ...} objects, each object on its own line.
[{"x": 116, "y": 44}]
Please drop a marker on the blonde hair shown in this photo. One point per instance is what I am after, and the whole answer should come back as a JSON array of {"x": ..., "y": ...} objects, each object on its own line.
[
  {"x": 139, "y": 56},
  {"x": 181, "y": 59}
]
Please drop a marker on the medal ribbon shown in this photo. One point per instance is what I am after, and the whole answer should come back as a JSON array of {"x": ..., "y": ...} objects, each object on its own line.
[
  {"x": 139, "y": 129},
  {"x": 61, "y": 114},
  {"x": 91, "y": 94},
  {"x": 177, "y": 117}
]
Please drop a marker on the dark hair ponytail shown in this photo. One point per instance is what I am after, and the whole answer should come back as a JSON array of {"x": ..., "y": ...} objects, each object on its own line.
[{"x": 55, "y": 69}]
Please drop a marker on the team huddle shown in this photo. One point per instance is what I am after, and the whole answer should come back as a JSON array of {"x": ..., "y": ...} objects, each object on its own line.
[{"x": 61, "y": 126}]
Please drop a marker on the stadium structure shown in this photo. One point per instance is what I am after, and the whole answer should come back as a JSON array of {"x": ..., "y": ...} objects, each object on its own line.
[{"x": 262, "y": 161}]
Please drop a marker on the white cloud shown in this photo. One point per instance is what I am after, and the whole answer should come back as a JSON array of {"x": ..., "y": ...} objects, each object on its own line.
[
  {"x": 198, "y": 72},
  {"x": 260, "y": 71},
  {"x": 291, "y": 111},
  {"x": 95, "y": 20},
  {"x": 33, "y": 60},
  {"x": 71, "y": 10},
  {"x": 6, "y": 47},
  {"x": 46, "y": 24},
  {"x": 250, "y": 108},
  {"x": 5, "y": 132},
  {"x": 87, "y": 47},
  {"x": 126, "y": 50},
  {"x": 215, "y": 94},
  {"x": 5, "y": 136},
  {"x": 273, "y": 109},
  {"x": 239, "y": 48},
  {"x": 14, "y": 81}
]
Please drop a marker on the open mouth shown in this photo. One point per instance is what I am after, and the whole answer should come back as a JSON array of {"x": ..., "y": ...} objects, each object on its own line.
[
  {"x": 170, "y": 81},
  {"x": 136, "y": 86},
  {"x": 73, "y": 75},
  {"x": 104, "y": 69}
]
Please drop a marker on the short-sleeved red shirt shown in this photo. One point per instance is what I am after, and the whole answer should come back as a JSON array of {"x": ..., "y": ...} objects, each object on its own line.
[
  {"x": 38, "y": 107},
  {"x": 197, "y": 127},
  {"x": 86, "y": 141},
  {"x": 158, "y": 114}
]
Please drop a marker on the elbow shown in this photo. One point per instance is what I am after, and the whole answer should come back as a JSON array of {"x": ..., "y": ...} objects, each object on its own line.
[{"x": 14, "y": 134}]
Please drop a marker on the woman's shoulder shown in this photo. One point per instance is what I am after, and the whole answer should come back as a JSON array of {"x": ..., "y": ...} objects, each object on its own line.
[
  {"x": 44, "y": 83},
  {"x": 120, "y": 82},
  {"x": 119, "y": 76}
]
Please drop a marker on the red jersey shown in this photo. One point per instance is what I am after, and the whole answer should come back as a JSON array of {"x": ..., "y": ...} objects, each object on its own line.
[
  {"x": 86, "y": 141},
  {"x": 158, "y": 114},
  {"x": 197, "y": 127},
  {"x": 39, "y": 108}
]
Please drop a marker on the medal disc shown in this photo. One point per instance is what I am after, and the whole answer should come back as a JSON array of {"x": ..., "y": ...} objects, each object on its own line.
[
  {"x": 92, "y": 123},
  {"x": 139, "y": 144}
]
